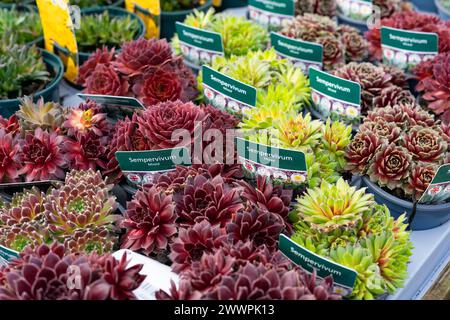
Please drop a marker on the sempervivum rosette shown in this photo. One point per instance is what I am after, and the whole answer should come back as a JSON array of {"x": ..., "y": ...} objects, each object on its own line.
[
  {"x": 356, "y": 47},
  {"x": 150, "y": 222},
  {"x": 409, "y": 20},
  {"x": 43, "y": 155},
  {"x": 103, "y": 277},
  {"x": 373, "y": 79},
  {"x": 434, "y": 84},
  {"x": 320, "y": 7},
  {"x": 83, "y": 204},
  {"x": 144, "y": 69},
  {"x": 239, "y": 35},
  {"x": 345, "y": 225},
  {"x": 9, "y": 157},
  {"x": 223, "y": 275},
  {"x": 398, "y": 147}
]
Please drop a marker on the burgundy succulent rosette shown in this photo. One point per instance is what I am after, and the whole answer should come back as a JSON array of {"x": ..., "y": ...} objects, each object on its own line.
[
  {"x": 400, "y": 148},
  {"x": 143, "y": 69}
]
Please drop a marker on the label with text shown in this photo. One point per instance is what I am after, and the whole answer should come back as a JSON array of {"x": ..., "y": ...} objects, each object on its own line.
[
  {"x": 335, "y": 97},
  {"x": 283, "y": 166},
  {"x": 438, "y": 192},
  {"x": 270, "y": 13},
  {"x": 226, "y": 93},
  {"x": 6, "y": 255},
  {"x": 140, "y": 167},
  {"x": 113, "y": 100},
  {"x": 406, "y": 49},
  {"x": 344, "y": 278},
  {"x": 303, "y": 54},
  {"x": 199, "y": 46}
]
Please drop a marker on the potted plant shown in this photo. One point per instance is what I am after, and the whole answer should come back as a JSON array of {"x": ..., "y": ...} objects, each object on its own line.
[
  {"x": 27, "y": 71},
  {"x": 434, "y": 85},
  {"x": 23, "y": 25},
  {"x": 106, "y": 27},
  {"x": 177, "y": 10},
  {"x": 239, "y": 35},
  {"x": 320, "y": 7},
  {"x": 15, "y": 3},
  {"x": 340, "y": 43},
  {"x": 83, "y": 4},
  {"x": 397, "y": 150},
  {"x": 381, "y": 86},
  {"x": 144, "y": 69},
  {"x": 346, "y": 226}
]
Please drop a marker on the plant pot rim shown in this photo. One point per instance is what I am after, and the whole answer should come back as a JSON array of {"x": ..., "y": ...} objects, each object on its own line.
[
  {"x": 401, "y": 202},
  {"x": 187, "y": 11},
  {"x": 100, "y": 9},
  {"x": 46, "y": 55},
  {"x": 440, "y": 7}
]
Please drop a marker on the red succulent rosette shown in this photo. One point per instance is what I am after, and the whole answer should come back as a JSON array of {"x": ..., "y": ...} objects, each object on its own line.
[
  {"x": 361, "y": 150},
  {"x": 106, "y": 81},
  {"x": 384, "y": 130},
  {"x": 150, "y": 222},
  {"x": 422, "y": 175},
  {"x": 390, "y": 166},
  {"x": 425, "y": 144},
  {"x": 43, "y": 156},
  {"x": 100, "y": 56},
  {"x": 9, "y": 157},
  {"x": 86, "y": 152}
]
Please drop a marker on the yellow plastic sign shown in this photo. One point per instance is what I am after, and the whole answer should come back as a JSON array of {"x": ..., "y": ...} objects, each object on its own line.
[
  {"x": 59, "y": 33},
  {"x": 150, "y": 12}
]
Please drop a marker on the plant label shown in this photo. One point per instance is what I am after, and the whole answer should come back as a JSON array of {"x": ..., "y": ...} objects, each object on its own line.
[
  {"x": 113, "y": 100},
  {"x": 6, "y": 255},
  {"x": 335, "y": 97},
  {"x": 344, "y": 278},
  {"x": 140, "y": 167},
  {"x": 150, "y": 12},
  {"x": 406, "y": 49},
  {"x": 303, "y": 54},
  {"x": 359, "y": 10},
  {"x": 59, "y": 34},
  {"x": 283, "y": 166},
  {"x": 438, "y": 192},
  {"x": 226, "y": 93},
  {"x": 270, "y": 13},
  {"x": 199, "y": 46}
]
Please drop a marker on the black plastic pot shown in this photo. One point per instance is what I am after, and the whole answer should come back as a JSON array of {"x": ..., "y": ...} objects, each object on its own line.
[
  {"x": 21, "y": 5},
  {"x": 49, "y": 93},
  {"x": 444, "y": 13},
  {"x": 360, "y": 25},
  {"x": 426, "y": 216},
  {"x": 169, "y": 19},
  {"x": 113, "y": 12}
]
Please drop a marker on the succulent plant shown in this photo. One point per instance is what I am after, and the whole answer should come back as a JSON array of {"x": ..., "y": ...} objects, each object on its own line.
[
  {"x": 10, "y": 125},
  {"x": 86, "y": 151},
  {"x": 150, "y": 222},
  {"x": 23, "y": 70},
  {"x": 273, "y": 78},
  {"x": 356, "y": 46},
  {"x": 42, "y": 156},
  {"x": 192, "y": 242},
  {"x": 23, "y": 26},
  {"x": 373, "y": 80},
  {"x": 9, "y": 157},
  {"x": 144, "y": 69},
  {"x": 398, "y": 147},
  {"x": 105, "y": 30},
  {"x": 435, "y": 85},
  {"x": 178, "y": 5},
  {"x": 87, "y": 118},
  {"x": 239, "y": 35},
  {"x": 393, "y": 95},
  {"x": 45, "y": 115},
  {"x": 321, "y": 30},
  {"x": 345, "y": 225},
  {"x": 103, "y": 278},
  {"x": 409, "y": 20},
  {"x": 320, "y": 7}
]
